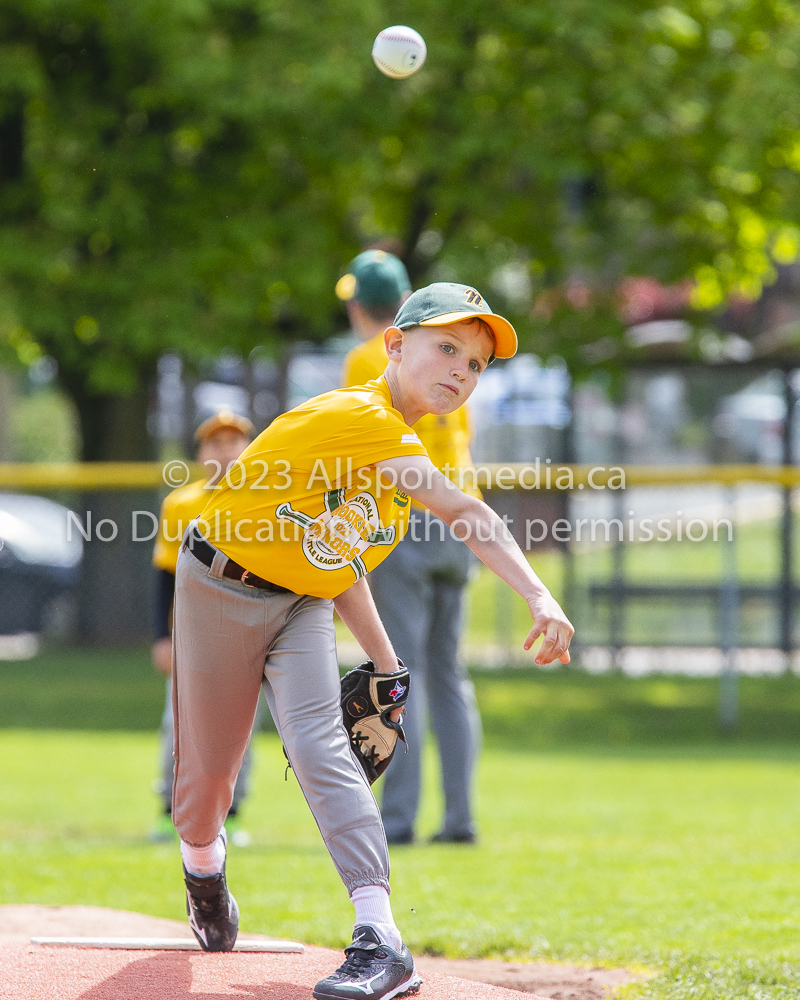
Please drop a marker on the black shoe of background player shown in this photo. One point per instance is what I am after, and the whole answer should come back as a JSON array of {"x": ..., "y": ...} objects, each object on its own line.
[
  {"x": 371, "y": 971},
  {"x": 213, "y": 913},
  {"x": 443, "y": 837},
  {"x": 406, "y": 837}
]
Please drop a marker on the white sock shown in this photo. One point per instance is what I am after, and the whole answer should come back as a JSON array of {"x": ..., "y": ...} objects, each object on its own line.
[
  {"x": 204, "y": 861},
  {"x": 373, "y": 908}
]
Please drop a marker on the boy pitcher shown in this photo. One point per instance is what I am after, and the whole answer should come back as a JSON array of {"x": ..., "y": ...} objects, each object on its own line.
[{"x": 321, "y": 499}]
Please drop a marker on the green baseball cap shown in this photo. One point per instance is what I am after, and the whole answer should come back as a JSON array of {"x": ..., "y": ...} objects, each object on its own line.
[
  {"x": 374, "y": 278},
  {"x": 446, "y": 302}
]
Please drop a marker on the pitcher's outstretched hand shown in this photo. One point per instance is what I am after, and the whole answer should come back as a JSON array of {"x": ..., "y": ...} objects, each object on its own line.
[{"x": 551, "y": 622}]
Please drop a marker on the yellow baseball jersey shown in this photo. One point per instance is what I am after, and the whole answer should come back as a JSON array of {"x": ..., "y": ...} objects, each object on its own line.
[
  {"x": 303, "y": 507},
  {"x": 446, "y": 437},
  {"x": 177, "y": 511}
]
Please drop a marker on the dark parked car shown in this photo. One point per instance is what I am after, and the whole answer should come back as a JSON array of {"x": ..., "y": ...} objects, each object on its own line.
[{"x": 39, "y": 562}]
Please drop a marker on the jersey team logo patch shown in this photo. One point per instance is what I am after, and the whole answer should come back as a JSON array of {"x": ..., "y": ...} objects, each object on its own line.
[
  {"x": 342, "y": 533},
  {"x": 397, "y": 691}
]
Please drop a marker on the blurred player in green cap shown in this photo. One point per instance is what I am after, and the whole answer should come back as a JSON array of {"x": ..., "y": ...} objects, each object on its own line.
[{"x": 419, "y": 589}]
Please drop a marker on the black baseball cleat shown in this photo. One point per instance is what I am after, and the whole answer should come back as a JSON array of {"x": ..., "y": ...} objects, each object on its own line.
[
  {"x": 371, "y": 971},
  {"x": 213, "y": 913}
]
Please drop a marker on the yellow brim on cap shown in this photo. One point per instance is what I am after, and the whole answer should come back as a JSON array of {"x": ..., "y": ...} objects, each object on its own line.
[
  {"x": 346, "y": 287},
  {"x": 505, "y": 337}
]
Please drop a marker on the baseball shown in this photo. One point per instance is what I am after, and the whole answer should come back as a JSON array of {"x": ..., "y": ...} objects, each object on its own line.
[{"x": 399, "y": 51}]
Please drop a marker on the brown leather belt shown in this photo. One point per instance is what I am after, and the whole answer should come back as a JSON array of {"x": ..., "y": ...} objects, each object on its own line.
[{"x": 205, "y": 552}]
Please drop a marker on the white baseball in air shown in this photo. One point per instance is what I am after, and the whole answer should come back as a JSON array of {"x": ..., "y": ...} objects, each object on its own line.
[{"x": 399, "y": 51}]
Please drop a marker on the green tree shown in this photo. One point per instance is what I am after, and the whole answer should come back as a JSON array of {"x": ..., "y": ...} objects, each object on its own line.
[{"x": 192, "y": 175}]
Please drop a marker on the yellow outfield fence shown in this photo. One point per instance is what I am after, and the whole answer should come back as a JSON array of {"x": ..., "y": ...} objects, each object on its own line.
[
  {"x": 87, "y": 475},
  {"x": 101, "y": 476}
]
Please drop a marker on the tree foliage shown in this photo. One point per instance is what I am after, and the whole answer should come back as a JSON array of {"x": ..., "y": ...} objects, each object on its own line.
[{"x": 193, "y": 175}]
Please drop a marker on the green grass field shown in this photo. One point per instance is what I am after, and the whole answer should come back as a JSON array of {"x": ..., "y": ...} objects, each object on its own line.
[{"x": 617, "y": 825}]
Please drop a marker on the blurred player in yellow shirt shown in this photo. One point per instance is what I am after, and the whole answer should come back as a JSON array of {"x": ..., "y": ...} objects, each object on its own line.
[
  {"x": 419, "y": 589},
  {"x": 220, "y": 440}
]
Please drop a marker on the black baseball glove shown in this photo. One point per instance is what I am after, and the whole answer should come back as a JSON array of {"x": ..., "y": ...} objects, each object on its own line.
[{"x": 367, "y": 700}]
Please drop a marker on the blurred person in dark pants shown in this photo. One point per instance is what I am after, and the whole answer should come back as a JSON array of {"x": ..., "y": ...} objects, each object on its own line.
[{"x": 419, "y": 590}]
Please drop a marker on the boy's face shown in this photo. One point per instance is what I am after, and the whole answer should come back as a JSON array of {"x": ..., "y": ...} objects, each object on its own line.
[{"x": 439, "y": 366}]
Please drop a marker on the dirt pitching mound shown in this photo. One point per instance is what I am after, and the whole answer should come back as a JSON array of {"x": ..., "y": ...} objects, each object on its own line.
[{"x": 37, "y": 972}]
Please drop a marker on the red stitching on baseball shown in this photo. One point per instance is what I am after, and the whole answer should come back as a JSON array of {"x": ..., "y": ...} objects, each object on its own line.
[{"x": 391, "y": 69}]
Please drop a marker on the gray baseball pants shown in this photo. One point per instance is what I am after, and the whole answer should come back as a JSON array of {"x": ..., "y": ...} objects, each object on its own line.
[
  {"x": 167, "y": 743},
  {"x": 228, "y": 641},
  {"x": 419, "y": 593}
]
